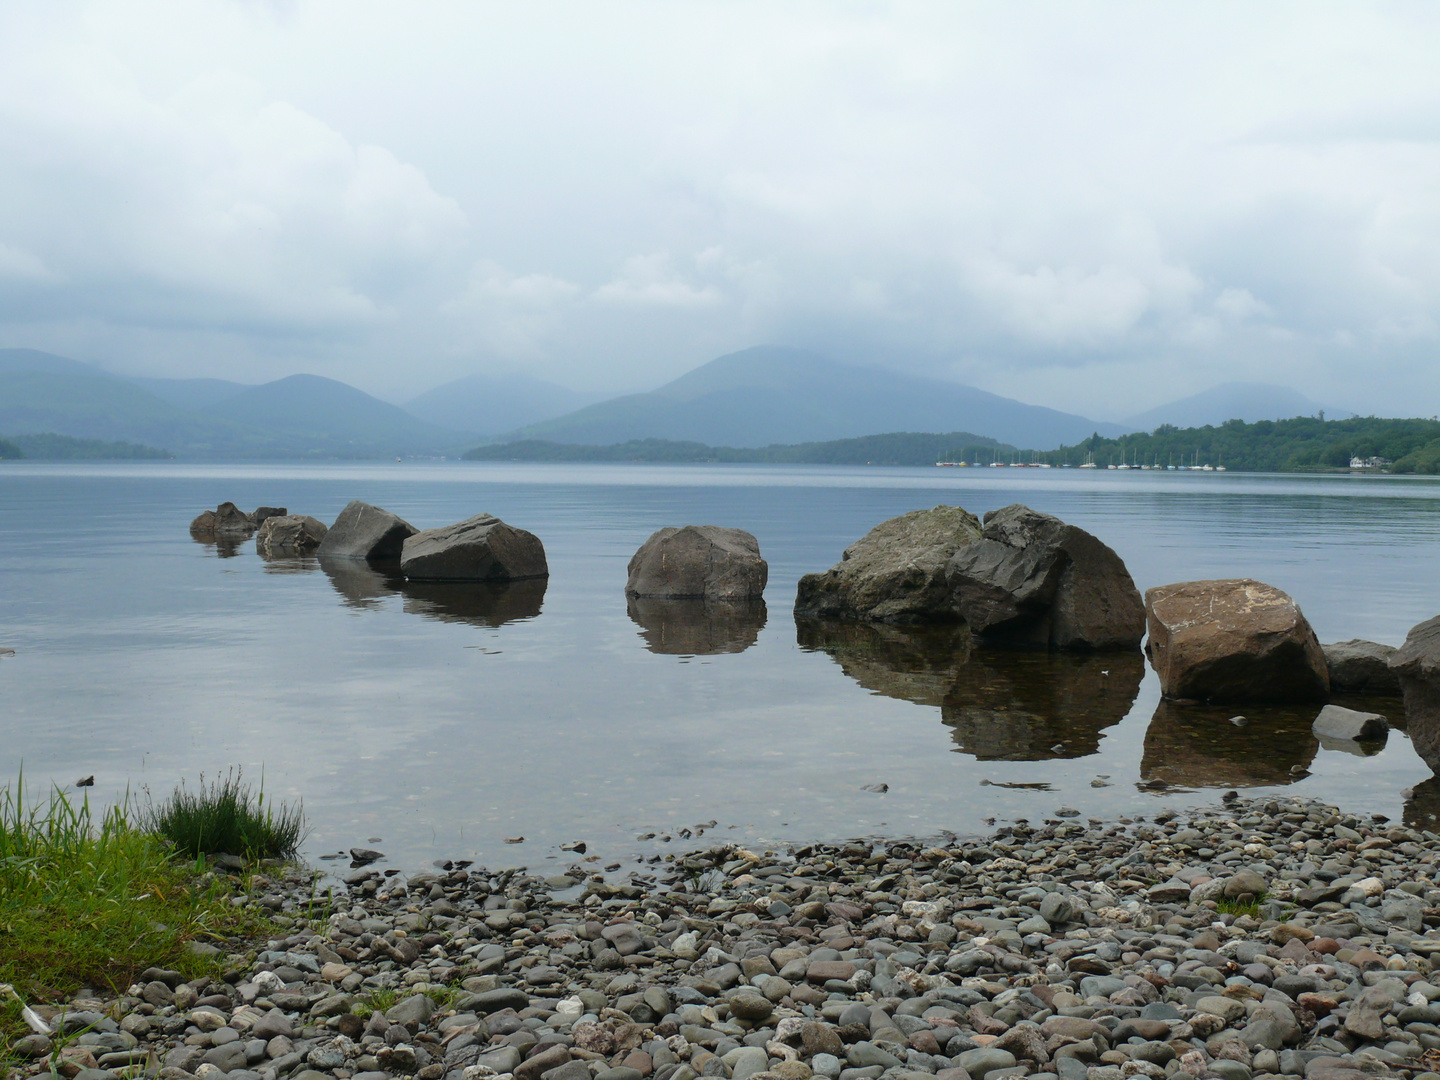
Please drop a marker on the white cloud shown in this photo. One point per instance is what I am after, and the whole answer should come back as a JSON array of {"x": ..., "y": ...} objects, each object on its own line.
[{"x": 650, "y": 281}]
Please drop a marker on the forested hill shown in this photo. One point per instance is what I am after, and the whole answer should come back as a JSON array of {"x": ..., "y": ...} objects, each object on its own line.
[
  {"x": 1303, "y": 444},
  {"x": 900, "y": 448}
]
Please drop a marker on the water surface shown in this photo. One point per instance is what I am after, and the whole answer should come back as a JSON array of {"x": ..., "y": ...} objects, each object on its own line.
[{"x": 447, "y": 721}]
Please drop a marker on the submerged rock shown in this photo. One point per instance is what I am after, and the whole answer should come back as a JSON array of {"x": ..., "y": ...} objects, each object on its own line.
[
  {"x": 481, "y": 548},
  {"x": 365, "y": 532},
  {"x": 1360, "y": 667},
  {"x": 895, "y": 572},
  {"x": 226, "y": 520},
  {"x": 698, "y": 562},
  {"x": 1033, "y": 580},
  {"x": 1335, "y": 722},
  {"x": 1233, "y": 640}
]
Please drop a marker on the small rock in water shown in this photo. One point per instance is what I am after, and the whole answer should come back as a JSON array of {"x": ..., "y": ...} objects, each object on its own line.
[
  {"x": 878, "y": 788},
  {"x": 514, "y": 839},
  {"x": 85, "y": 781},
  {"x": 360, "y": 856},
  {"x": 1239, "y": 721}
]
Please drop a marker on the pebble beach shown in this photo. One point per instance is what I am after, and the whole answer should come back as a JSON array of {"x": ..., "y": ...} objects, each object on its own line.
[{"x": 1249, "y": 939}]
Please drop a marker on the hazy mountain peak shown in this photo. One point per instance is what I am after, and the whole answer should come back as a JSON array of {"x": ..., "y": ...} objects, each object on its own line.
[{"x": 1248, "y": 401}]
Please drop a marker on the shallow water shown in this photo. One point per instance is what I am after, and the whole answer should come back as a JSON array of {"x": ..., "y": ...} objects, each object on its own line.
[{"x": 445, "y": 720}]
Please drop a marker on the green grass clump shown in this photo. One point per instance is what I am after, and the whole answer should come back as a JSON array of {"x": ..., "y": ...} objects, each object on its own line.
[
  {"x": 224, "y": 816},
  {"x": 1226, "y": 906},
  {"x": 92, "y": 900}
]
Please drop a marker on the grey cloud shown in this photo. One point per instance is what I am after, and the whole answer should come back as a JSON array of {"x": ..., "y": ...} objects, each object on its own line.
[{"x": 1094, "y": 209}]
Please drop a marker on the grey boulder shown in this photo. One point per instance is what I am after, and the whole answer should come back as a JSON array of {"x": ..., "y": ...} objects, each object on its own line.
[
  {"x": 1417, "y": 665},
  {"x": 367, "y": 532},
  {"x": 481, "y": 548},
  {"x": 1233, "y": 639},
  {"x": 290, "y": 534},
  {"x": 1335, "y": 722},
  {"x": 698, "y": 562},
  {"x": 1361, "y": 667},
  {"x": 895, "y": 572},
  {"x": 261, "y": 514},
  {"x": 1033, "y": 580}
]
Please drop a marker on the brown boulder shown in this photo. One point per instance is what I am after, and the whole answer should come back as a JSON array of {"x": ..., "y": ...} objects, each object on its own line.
[
  {"x": 227, "y": 520},
  {"x": 698, "y": 562},
  {"x": 1417, "y": 665},
  {"x": 1033, "y": 580},
  {"x": 895, "y": 572},
  {"x": 1233, "y": 640}
]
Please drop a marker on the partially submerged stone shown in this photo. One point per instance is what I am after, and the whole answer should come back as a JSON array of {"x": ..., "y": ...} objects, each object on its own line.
[
  {"x": 226, "y": 520},
  {"x": 290, "y": 534},
  {"x": 366, "y": 532},
  {"x": 895, "y": 572},
  {"x": 481, "y": 548},
  {"x": 1336, "y": 722},
  {"x": 1360, "y": 667},
  {"x": 1233, "y": 640},
  {"x": 698, "y": 562},
  {"x": 1417, "y": 666},
  {"x": 1034, "y": 580}
]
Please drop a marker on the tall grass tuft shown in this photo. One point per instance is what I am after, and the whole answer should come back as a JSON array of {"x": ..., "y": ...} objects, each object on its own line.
[
  {"x": 89, "y": 899},
  {"x": 226, "y": 816}
]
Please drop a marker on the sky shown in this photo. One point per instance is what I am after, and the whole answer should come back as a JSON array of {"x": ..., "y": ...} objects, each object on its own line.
[{"x": 1096, "y": 207}]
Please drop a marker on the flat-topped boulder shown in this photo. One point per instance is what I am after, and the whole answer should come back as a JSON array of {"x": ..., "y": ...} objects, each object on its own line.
[
  {"x": 698, "y": 562},
  {"x": 1361, "y": 667},
  {"x": 290, "y": 534},
  {"x": 1233, "y": 639},
  {"x": 895, "y": 572},
  {"x": 481, "y": 548},
  {"x": 1417, "y": 666},
  {"x": 1031, "y": 579},
  {"x": 367, "y": 532}
]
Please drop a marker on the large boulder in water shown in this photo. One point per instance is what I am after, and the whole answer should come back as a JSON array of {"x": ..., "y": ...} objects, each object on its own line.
[
  {"x": 698, "y": 562},
  {"x": 289, "y": 534},
  {"x": 1233, "y": 640},
  {"x": 1031, "y": 579},
  {"x": 363, "y": 531},
  {"x": 1361, "y": 667},
  {"x": 895, "y": 572},
  {"x": 1417, "y": 665},
  {"x": 481, "y": 548}
]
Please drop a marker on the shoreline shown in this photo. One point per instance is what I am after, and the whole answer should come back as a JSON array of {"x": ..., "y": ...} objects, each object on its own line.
[{"x": 1274, "y": 936}]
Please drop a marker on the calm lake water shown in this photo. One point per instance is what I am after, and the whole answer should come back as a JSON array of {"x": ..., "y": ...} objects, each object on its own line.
[{"x": 443, "y": 721}]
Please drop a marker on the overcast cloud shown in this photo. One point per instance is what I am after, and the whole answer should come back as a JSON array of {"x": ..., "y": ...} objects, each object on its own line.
[{"x": 1097, "y": 207}]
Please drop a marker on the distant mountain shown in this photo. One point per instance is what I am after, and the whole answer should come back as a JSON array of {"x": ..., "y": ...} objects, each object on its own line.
[
  {"x": 772, "y": 395},
  {"x": 489, "y": 404},
  {"x": 190, "y": 393},
  {"x": 304, "y": 416},
  {"x": 1231, "y": 401},
  {"x": 330, "y": 415}
]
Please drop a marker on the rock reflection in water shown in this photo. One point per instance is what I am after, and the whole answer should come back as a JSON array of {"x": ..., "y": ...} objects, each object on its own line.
[
  {"x": 224, "y": 547},
  {"x": 1193, "y": 745},
  {"x": 1422, "y": 805},
  {"x": 479, "y": 603},
  {"x": 362, "y": 584},
  {"x": 1036, "y": 706},
  {"x": 697, "y": 627},
  {"x": 290, "y": 564},
  {"x": 912, "y": 663},
  {"x": 1000, "y": 704}
]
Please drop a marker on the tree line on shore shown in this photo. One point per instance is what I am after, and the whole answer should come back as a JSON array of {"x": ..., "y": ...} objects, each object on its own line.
[{"x": 1301, "y": 444}]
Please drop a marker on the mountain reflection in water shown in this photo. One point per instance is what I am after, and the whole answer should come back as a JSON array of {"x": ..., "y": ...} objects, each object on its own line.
[
  {"x": 697, "y": 627},
  {"x": 1195, "y": 745},
  {"x": 479, "y": 603},
  {"x": 1000, "y": 704}
]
